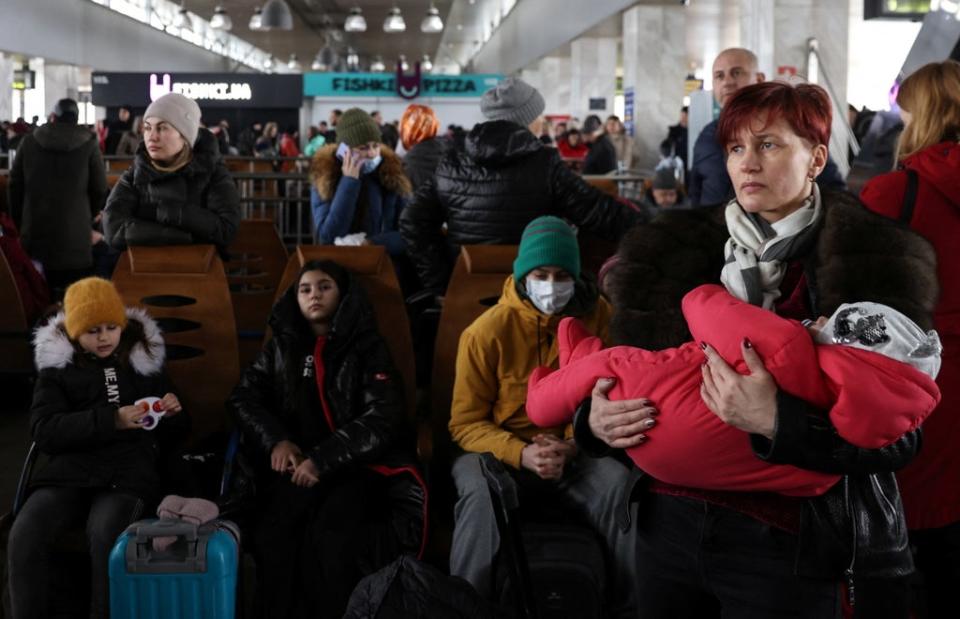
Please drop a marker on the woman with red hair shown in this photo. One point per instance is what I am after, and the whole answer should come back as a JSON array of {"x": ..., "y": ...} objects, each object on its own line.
[
  {"x": 418, "y": 133},
  {"x": 925, "y": 194},
  {"x": 781, "y": 245}
]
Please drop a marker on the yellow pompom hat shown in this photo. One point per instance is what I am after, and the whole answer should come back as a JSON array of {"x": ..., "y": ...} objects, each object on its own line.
[{"x": 90, "y": 302}]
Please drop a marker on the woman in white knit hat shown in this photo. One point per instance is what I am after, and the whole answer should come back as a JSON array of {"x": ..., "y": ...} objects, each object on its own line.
[{"x": 178, "y": 190}]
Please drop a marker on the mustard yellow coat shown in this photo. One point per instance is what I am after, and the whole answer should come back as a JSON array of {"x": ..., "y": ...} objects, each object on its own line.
[{"x": 496, "y": 355}]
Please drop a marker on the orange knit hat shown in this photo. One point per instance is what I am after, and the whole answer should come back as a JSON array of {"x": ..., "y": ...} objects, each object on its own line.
[
  {"x": 90, "y": 302},
  {"x": 417, "y": 124}
]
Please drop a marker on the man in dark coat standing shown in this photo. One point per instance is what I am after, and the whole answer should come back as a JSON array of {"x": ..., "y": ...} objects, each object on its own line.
[
  {"x": 709, "y": 182},
  {"x": 57, "y": 186},
  {"x": 602, "y": 157}
]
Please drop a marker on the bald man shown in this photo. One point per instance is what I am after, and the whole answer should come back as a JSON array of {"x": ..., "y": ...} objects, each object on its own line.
[{"x": 709, "y": 182}]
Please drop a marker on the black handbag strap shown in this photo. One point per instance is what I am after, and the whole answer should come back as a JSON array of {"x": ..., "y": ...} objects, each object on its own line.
[{"x": 909, "y": 197}]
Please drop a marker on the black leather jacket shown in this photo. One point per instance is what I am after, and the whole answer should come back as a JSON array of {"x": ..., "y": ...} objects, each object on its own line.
[
  {"x": 504, "y": 179},
  {"x": 199, "y": 203},
  {"x": 362, "y": 389},
  {"x": 858, "y": 525}
]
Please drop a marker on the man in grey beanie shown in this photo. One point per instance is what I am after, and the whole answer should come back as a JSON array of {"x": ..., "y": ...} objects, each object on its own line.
[{"x": 502, "y": 180}]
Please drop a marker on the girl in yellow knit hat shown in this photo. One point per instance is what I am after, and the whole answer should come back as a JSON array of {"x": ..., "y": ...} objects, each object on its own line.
[{"x": 95, "y": 360}]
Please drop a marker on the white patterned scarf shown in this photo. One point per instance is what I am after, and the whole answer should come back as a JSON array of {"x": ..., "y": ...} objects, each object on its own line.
[{"x": 758, "y": 253}]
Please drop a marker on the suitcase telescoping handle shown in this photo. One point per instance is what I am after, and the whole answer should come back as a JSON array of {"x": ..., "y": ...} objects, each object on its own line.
[{"x": 143, "y": 559}]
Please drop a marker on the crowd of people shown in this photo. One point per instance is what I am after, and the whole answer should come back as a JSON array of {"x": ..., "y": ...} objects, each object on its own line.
[{"x": 752, "y": 403}]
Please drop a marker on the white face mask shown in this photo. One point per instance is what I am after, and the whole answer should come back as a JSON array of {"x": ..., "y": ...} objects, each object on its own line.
[{"x": 549, "y": 297}]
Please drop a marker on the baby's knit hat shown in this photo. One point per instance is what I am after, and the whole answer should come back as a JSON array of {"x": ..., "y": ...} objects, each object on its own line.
[
  {"x": 90, "y": 302},
  {"x": 882, "y": 329}
]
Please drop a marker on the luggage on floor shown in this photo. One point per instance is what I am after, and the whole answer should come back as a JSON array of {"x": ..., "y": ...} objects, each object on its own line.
[
  {"x": 194, "y": 578},
  {"x": 553, "y": 571}
]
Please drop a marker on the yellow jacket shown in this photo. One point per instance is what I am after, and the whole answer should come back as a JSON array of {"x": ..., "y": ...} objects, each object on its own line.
[{"x": 495, "y": 357}]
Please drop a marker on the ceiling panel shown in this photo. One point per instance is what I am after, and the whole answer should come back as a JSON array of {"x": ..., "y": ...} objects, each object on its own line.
[{"x": 312, "y": 18}]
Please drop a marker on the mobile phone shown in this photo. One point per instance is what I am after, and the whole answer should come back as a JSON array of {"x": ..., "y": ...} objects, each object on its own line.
[{"x": 342, "y": 150}]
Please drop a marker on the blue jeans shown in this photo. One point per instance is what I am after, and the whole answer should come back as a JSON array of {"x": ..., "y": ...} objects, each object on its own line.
[{"x": 48, "y": 513}]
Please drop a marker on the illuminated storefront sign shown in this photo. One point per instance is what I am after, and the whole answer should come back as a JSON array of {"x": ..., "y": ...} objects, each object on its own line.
[{"x": 208, "y": 89}]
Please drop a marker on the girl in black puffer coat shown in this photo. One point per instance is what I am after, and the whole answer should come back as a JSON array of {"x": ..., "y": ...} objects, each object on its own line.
[
  {"x": 178, "y": 191},
  {"x": 338, "y": 494},
  {"x": 95, "y": 361}
]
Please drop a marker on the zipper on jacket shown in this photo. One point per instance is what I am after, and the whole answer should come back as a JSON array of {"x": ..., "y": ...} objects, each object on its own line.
[
  {"x": 539, "y": 358},
  {"x": 851, "y": 595}
]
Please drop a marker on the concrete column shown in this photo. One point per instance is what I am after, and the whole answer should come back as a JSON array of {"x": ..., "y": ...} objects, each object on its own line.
[
  {"x": 593, "y": 73},
  {"x": 6, "y": 95},
  {"x": 60, "y": 80},
  {"x": 796, "y": 21},
  {"x": 555, "y": 86},
  {"x": 533, "y": 76},
  {"x": 654, "y": 66},
  {"x": 757, "y": 25}
]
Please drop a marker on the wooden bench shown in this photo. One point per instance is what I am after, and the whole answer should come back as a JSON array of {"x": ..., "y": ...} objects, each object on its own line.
[
  {"x": 185, "y": 289},
  {"x": 257, "y": 262}
]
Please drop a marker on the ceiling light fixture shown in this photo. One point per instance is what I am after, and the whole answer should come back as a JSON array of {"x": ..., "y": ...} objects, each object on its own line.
[
  {"x": 317, "y": 65},
  {"x": 256, "y": 20},
  {"x": 426, "y": 64},
  {"x": 432, "y": 23},
  {"x": 182, "y": 19},
  {"x": 394, "y": 21},
  {"x": 276, "y": 16},
  {"x": 355, "y": 21},
  {"x": 353, "y": 59},
  {"x": 221, "y": 19},
  {"x": 268, "y": 62},
  {"x": 404, "y": 65},
  {"x": 377, "y": 65},
  {"x": 293, "y": 64}
]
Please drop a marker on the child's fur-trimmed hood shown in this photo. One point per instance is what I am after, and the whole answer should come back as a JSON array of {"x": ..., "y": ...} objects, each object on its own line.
[{"x": 53, "y": 348}]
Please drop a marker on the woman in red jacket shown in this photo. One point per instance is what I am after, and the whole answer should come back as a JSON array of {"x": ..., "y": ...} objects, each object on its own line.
[{"x": 925, "y": 194}]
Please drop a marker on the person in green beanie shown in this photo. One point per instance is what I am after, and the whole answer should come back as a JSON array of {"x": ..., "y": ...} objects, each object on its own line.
[
  {"x": 496, "y": 355},
  {"x": 358, "y": 187}
]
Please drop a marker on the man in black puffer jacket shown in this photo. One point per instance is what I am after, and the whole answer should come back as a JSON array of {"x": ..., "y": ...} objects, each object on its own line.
[{"x": 504, "y": 179}]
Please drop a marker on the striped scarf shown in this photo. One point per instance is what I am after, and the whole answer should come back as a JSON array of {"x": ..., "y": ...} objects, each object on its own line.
[{"x": 758, "y": 253}]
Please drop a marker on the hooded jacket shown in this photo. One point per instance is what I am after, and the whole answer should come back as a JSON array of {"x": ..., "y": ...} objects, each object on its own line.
[
  {"x": 487, "y": 194},
  {"x": 360, "y": 410},
  {"x": 930, "y": 485},
  {"x": 873, "y": 399},
  {"x": 420, "y": 163},
  {"x": 198, "y": 203},
  {"x": 371, "y": 204},
  {"x": 496, "y": 355},
  {"x": 75, "y": 403},
  {"x": 57, "y": 186},
  {"x": 860, "y": 519}
]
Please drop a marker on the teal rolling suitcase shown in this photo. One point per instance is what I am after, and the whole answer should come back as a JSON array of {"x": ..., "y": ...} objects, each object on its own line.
[{"x": 195, "y": 578}]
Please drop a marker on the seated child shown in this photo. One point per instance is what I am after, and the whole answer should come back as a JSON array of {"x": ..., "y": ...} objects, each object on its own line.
[
  {"x": 95, "y": 360},
  {"x": 877, "y": 386}
]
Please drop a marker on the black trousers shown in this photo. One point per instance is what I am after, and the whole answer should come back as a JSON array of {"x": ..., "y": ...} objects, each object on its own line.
[
  {"x": 938, "y": 561},
  {"x": 313, "y": 545},
  {"x": 47, "y": 514},
  {"x": 697, "y": 560}
]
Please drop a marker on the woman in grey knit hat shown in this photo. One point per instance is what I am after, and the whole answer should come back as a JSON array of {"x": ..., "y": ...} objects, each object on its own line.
[{"x": 178, "y": 190}]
